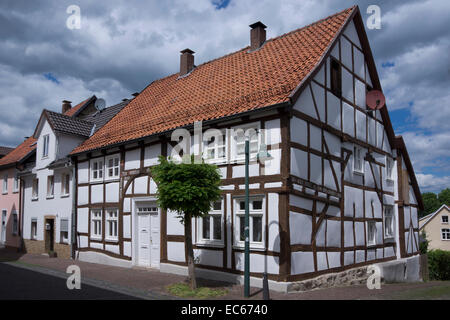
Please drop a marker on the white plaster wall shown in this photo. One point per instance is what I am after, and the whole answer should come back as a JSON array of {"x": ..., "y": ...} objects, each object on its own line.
[
  {"x": 300, "y": 226},
  {"x": 209, "y": 257},
  {"x": 83, "y": 172},
  {"x": 97, "y": 193},
  {"x": 133, "y": 159},
  {"x": 127, "y": 226},
  {"x": 83, "y": 220},
  {"x": 274, "y": 232},
  {"x": 299, "y": 163},
  {"x": 112, "y": 192},
  {"x": 174, "y": 226},
  {"x": 258, "y": 263},
  {"x": 175, "y": 251},
  {"x": 140, "y": 185},
  {"x": 273, "y": 132},
  {"x": 151, "y": 154},
  {"x": 302, "y": 262}
]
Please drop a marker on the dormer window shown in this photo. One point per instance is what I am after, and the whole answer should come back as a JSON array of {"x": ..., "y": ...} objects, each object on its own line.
[{"x": 45, "y": 146}]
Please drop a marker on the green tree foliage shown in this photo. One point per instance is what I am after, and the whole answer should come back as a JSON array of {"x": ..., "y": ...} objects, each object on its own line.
[
  {"x": 430, "y": 203},
  {"x": 444, "y": 197},
  {"x": 439, "y": 264},
  {"x": 188, "y": 189}
]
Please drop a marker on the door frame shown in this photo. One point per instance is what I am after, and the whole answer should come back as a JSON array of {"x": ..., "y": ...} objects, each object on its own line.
[
  {"x": 52, "y": 244},
  {"x": 134, "y": 236},
  {"x": 3, "y": 233}
]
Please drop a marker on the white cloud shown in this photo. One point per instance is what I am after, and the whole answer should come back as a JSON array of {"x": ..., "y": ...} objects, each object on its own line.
[{"x": 431, "y": 183}]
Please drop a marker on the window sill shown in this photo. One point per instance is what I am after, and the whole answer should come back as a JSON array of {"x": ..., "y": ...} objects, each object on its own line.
[
  {"x": 359, "y": 173},
  {"x": 49, "y": 197},
  {"x": 34, "y": 199},
  {"x": 371, "y": 245},
  {"x": 112, "y": 240},
  {"x": 389, "y": 238},
  {"x": 390, "y": 180},
  {"x": 112, "y": 179},
  {"x": 4, "y": 193},
  {"x": 96, "y": 238},
  {"x": 210, "y": 244},
  {"x": 254, "y": 247},
  {"x": 64, "y": 195},
  {"x": 16, "y": 191},
  {"x": 64, "y": 243},
  {"x": 96, "y": 181}
]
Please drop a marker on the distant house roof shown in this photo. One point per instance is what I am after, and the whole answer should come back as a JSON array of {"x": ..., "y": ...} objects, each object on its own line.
[
  {"x": 20, "y": 152},
  {"x": 430, "y": 217},
  {"x": 5, "y": 150},
  {"x": 79, "y": 107},
  {"x": 102, "y": 117},
  {"x": 66, "y": 124},
  {"x": 233, "y": 84},
  {"x": 26, "y": 148}
]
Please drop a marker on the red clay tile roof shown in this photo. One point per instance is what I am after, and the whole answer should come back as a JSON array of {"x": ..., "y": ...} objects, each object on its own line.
[
  {"x": 236, "y": 83},
  {"x": 5, "y": 150},
  {"x": 19, "y": 153},
  {"x": 73, "y": 110}
]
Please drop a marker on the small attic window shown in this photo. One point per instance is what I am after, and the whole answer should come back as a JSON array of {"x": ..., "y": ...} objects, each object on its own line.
[{"x": 336, "y": 78}]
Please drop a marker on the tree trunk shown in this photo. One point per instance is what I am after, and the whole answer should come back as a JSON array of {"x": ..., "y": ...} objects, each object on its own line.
[{"x": 189, "y": 251}]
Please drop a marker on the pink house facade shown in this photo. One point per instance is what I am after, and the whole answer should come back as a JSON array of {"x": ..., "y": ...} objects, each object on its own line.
[{"x": 10, "y": 195}]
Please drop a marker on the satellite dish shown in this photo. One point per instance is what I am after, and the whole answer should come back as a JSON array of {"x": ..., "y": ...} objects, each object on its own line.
[
  {"x": 375, "y": 100},
  {"x": 100, "y": 104}
]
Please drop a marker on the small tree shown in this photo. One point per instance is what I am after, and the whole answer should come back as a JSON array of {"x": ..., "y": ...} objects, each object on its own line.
[{"x": 188, "y": 189}]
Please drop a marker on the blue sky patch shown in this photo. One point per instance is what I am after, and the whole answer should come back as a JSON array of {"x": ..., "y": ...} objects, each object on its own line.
[
  {"x": 51, "y": 77},
  {"x": 220, "y": 4},
  {"x": 388, "y": 64}
]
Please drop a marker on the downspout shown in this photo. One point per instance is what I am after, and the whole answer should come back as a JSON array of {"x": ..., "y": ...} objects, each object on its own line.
[{"x": 74, "y": 208}]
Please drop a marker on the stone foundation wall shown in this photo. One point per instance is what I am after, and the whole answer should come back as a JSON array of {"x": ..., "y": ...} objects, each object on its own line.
[
  {"x": 350, "y": 277},
  {"x": 38, "y": 247}
]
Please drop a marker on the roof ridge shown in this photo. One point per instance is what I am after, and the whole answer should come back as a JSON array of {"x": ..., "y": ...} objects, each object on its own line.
[{"x": 268, "y": 40}]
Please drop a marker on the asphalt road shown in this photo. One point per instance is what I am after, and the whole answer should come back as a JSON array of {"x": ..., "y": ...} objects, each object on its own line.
[{"x": 21, "y": 284}]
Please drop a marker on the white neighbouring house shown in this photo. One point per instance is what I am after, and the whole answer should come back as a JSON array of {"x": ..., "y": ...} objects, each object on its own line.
[
  {"x": 340, "y": 191},
  {"x": 47, "y": 193}
]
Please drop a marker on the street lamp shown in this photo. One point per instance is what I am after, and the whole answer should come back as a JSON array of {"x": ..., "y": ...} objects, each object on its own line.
[{"x": 262, "y": 156}]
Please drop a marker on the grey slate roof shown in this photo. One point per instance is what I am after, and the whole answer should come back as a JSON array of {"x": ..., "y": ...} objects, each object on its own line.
[
  {"x": 100, "y": 118},
  {"x": 66, "y": 124},
  {"x": 87, "y": 126}
]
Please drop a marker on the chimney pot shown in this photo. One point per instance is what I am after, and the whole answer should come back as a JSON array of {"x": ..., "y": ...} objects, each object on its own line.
[
  {"x": 66, "y": 106},
  {"x": 257, "y": 35},
  {"x": 186, "y": 61}
]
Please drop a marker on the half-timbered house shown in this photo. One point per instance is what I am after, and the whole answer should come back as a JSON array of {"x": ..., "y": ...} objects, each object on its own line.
[{"x": 338, "y": 192}]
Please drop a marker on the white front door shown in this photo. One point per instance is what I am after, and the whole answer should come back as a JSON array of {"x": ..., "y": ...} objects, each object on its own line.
[
  {"x": 3, "y": 239},
  {"x": 148, "y": 236}
]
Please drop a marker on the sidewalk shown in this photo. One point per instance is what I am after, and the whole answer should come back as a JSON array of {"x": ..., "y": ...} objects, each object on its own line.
[{"x": 151, "y": 284}]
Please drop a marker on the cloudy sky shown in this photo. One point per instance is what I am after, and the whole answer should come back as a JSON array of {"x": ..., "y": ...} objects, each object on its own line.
[{"x": 123, "y": 45}]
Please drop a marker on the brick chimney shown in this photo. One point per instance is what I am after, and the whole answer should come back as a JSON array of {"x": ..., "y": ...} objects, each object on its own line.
[
  {"x": 66, "y": 106},
  {"x": 257, "y": 35},
  {"x": 186, "y": 61}
]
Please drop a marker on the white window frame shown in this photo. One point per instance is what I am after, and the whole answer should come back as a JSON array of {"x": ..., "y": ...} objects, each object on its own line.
[
  {"x": 114, "y": 167},
  {"x": 252, "y": 213},
  {"x": 35, "y": 189},
  {"x": 33, "y": 235},
  {"x": 61, "y": 238},
  {"x": 15, "y": 223},
  {"x": 442, "y": 219},
  {"x": 16, "y": 184},
  {"x": 389, "y": 168},
  {"x": 213, "y": 213},
  {"x": 361, "y": 159},
  {"x": 234, "y": 145},
  {"x": 216, "y": 147},
  {"x": 445, "y": 234},
  {"x": 100, "y": 169},
  {"x": 371, "y": 242},
  {"x": 65, "y": 184},
  {"x": 5, "y": 183},
  {"x": 389, "y": 214},
  {"x": 45, "y": 146},
  {"x": 112, "y": 217},
  {"x": 50, "y": 186},
  {"x": 96, "y": 218}
]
